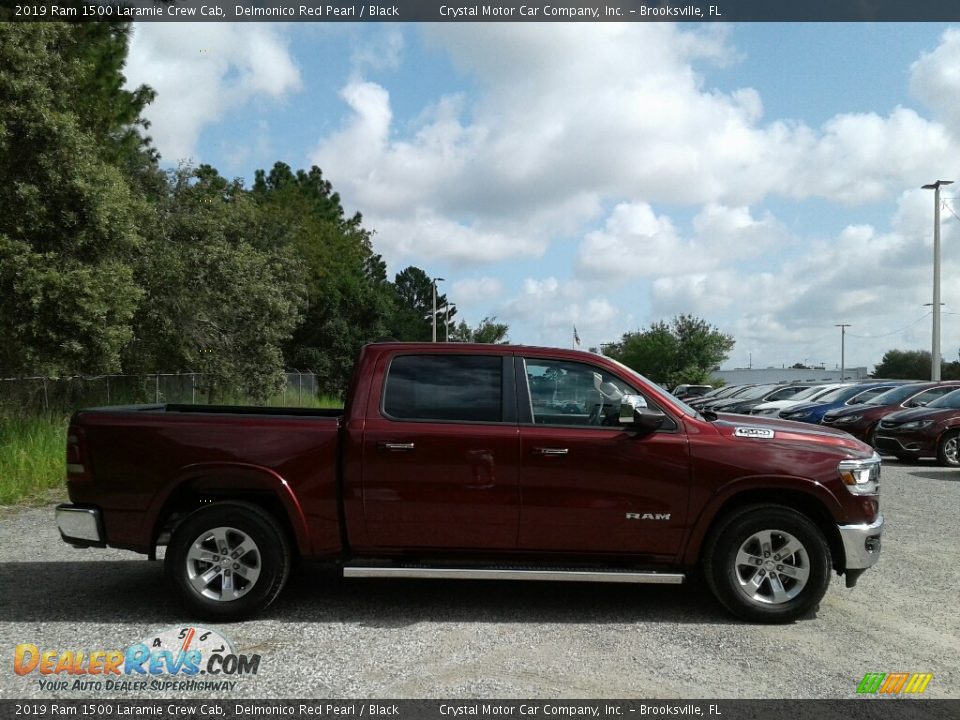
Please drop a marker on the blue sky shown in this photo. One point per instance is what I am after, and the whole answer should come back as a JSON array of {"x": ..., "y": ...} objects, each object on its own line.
[{"x": 765, "y": 177}]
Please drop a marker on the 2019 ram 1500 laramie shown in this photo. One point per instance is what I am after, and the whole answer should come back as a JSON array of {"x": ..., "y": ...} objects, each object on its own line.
[{"x": 478, "y": 461}]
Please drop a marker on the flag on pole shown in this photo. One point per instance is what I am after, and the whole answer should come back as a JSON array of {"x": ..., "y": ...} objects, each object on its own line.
[{"x": 576, "y": 337}]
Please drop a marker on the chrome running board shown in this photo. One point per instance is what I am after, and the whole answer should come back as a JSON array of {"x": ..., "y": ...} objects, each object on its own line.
[{"x": 436, "y": 573}]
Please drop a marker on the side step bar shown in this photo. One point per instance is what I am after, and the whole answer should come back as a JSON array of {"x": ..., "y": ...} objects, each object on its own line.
[{"x": 610, "y": 576}]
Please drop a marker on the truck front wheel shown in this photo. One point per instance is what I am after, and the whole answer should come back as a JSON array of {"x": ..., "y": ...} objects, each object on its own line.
[
  {"x": 768, "y": 564},
  {"x": 228, "y": 560}
]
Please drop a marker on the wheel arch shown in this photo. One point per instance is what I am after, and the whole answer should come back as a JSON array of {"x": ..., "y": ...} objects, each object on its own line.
[
  {"x": 804, "y": 502},
  {"x": 200, "y": 485}
]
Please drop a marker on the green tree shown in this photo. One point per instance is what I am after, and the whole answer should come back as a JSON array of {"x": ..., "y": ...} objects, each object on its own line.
[
  {"x": 412, "y": 319},
  {"x": 912, "y": 365},
  {"x": 686, "y": 350},
  {"x": 348, "y": 297},
  {"x": 218, "y": 301},
  {"x": 488, "y": 331},
  {"x": 904, "y": 365},
  {"x": 68, "y": 217}
]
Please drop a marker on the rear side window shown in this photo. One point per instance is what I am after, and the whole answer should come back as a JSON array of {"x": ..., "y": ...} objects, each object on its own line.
[{"x": 458, "y": 388}]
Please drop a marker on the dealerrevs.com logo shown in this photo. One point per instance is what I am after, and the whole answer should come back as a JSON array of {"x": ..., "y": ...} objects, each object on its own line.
[
  {"x": 894, "y": 683},
  {"x": 175, "y": 659}
]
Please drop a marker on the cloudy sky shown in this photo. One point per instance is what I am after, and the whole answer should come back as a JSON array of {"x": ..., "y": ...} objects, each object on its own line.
[{"x": 765, "y": 177}]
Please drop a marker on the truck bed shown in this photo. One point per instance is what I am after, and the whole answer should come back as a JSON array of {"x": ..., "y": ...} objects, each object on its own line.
[{"x": 144, "y": 458}]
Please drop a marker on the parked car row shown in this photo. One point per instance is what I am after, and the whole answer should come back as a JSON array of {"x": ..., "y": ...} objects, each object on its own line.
[{"x": 903, "y": 418}]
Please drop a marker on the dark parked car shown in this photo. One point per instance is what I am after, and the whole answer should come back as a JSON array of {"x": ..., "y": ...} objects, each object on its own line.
[
  {"x": 813, "y": 412},
  {"x": 931, "y": 431},
  {"x": 740, "y": 392},
  {"x": 746, "y": 402},
  {"x": 861, "y": 420},
  {"x": 723, "y": 392},
  {"x": 685, "y": 392}
]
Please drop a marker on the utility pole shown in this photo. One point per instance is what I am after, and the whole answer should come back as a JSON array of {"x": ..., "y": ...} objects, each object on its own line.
[
  {"x": 843, "y": 337},
  {"x": 935, "y": 345},
  {"x": 434, "y": 318}
]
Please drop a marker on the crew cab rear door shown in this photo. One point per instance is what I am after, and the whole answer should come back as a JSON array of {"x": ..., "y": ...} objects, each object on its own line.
[
  {"x": 440, "y": 453},
  {"x": 588, "y": 485}
]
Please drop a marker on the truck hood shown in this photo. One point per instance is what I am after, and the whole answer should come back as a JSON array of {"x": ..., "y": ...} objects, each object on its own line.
[{"x": 753, "y": 428}]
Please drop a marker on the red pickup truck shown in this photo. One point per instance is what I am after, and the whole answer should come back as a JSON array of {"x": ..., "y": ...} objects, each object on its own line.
[{"x": 478, "y": 461}]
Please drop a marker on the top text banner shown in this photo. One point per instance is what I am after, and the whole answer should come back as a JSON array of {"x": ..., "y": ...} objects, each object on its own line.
[{"x": 458, "y": 11}]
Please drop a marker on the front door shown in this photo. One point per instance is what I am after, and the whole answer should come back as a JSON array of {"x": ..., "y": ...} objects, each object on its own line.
[{"x": 587, "y": 485}]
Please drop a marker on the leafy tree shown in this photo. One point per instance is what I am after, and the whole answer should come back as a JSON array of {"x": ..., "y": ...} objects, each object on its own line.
[
  {"x": 904, "y": 364},
  {"x": 686, "y": 350},
  {"x": 68, "y": 218},
  {"x": 348, "y": 297},
  {"x": 413, "y": 317},
  {"x": 912, "y": 365},
  {"x": 488, "y": 331},
  {"x": 218, "y": 301}
]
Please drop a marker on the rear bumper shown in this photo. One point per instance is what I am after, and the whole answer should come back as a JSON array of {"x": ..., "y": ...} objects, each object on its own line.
[
  {"x": 861, "y": 544},
  {"x": 81, "y": 525}
]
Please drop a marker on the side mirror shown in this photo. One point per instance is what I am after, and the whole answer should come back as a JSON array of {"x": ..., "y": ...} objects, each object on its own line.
[{"x": 635, "y": 414}]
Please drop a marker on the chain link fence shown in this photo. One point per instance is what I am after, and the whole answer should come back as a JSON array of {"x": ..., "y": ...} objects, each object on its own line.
[{"x": 31, "y": 395}]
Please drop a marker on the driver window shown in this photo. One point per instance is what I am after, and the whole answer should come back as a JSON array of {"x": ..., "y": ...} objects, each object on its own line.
[{"x": 568, "y": 393}]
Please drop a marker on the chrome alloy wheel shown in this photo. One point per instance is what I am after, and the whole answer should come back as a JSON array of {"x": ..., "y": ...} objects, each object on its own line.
[
  {"x": 223, "y": 564},
  {"x": 951, "y": 450},
  {"x": 772, "y": 567}
]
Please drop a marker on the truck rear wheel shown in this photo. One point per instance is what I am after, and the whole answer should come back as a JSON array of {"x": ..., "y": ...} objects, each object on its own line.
[
  {"x": 768, "y": 564},
  {"x": 228, "y": 560}
]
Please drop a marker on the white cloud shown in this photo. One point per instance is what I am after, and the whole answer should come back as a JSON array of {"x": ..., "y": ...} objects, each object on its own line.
[
  {"x": 201, "y": 71},
  {"x": 876, "y": 281},
  {"x": 568, "y": 118},
  {"x": 935, "y": 79},
  {"x": 636, "y": 242},
  {"x": 476, "y": 291}
]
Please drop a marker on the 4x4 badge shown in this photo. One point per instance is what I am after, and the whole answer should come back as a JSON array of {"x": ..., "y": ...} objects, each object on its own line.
[{"x": 754, "y": 432}]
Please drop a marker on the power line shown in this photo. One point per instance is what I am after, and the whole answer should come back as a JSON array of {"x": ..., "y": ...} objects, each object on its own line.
[{"x": 905, "y": 327}]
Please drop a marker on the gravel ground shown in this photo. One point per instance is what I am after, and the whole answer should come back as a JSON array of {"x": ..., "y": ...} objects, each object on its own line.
[{"x": 327, "y": 637}]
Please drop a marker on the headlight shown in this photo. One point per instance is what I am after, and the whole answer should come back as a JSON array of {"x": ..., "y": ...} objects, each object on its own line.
[
  {"x": 766, "y": 411},
  {"x": 861, "y": 477},
  {"x": 845, "y": 420},
  {"x": 916, "y": 425},
  {"x": 794, "y": 416}
]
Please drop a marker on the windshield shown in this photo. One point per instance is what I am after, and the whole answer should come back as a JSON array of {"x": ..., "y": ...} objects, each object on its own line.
[
  {"x": 755, "y": 392},
  {"x": 841, "y": 394},
  {"x": 950, "y": 401},
  {"x": 894, "y": 396},
  {"x": 810, "y": 392}
]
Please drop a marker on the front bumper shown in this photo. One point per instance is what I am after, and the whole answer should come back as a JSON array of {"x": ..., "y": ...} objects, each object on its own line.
[
  {"x": 861, "y": 544},
  {"x": 81, "y": 526},
  {"x": 915, "y": 442}
]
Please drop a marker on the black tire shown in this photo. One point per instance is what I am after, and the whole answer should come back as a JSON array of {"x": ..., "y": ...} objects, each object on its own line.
[
  {"x": 776, "y": 589},
  {"x": 948, "y": 449},
  {"x": 236, "y": 584}
]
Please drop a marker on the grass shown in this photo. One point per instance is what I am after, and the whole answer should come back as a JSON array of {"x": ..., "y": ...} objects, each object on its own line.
[
  {"x": 32, "y": 457},
  {"x": 33, "y": 449}
]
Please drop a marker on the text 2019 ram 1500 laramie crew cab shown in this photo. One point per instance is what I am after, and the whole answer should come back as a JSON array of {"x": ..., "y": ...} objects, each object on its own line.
[{"x": 478, "y": 461}]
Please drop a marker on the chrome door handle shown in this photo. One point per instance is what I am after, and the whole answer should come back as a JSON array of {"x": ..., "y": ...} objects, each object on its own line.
[
  {"x": 550, "y": 452},
  {"x": 395, "y": 447}
]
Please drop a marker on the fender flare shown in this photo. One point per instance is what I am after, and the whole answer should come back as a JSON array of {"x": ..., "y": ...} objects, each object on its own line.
[
  {"x": 222, "y": 478},
  {"x": 699, "y": 528}
]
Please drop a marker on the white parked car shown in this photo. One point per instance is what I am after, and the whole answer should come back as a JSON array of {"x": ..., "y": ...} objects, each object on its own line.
[{"x": 772, "y": 409}]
